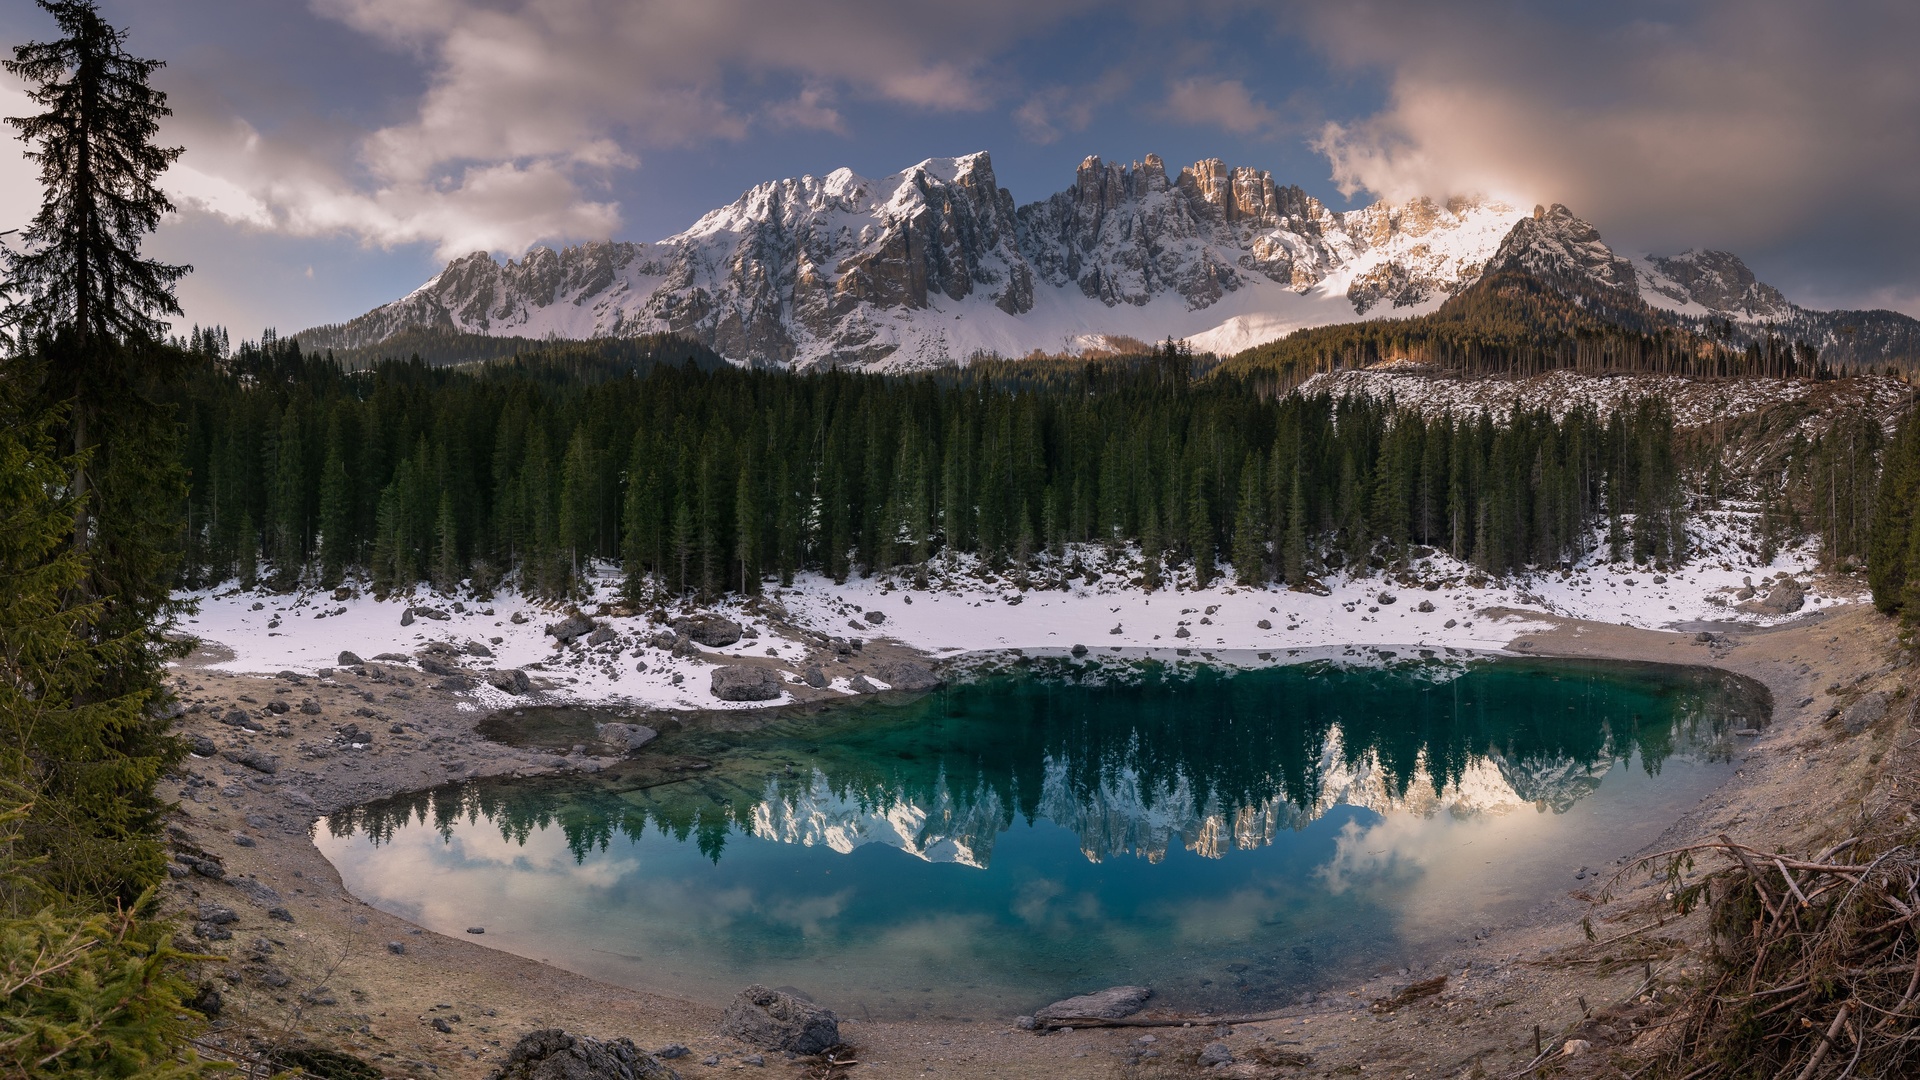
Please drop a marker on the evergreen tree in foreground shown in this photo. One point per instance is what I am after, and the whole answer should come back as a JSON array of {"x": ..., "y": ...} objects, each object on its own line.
[{"x": 85, "y": 366}]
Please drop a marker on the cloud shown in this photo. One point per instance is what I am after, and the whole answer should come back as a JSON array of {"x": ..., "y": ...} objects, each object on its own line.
[
  {"x": 19, "y": 178},
  {"x": 1054, "y": 111},
  {"x": 1745, "y": 124},
  {"x": 1222, "y": 103},
  {"x": 531, "y": 109}
]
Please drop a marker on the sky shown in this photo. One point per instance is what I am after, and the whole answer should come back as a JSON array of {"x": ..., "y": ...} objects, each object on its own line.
[{"x": 338, "y": 152}]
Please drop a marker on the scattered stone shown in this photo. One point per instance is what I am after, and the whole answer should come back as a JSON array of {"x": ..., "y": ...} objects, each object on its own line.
[
  {"x": 255, "y": 760},
  {"x": 201, "y": 746},
  {"x": 512, "y": 680},
  {"x": 1784, "y": 598},
  {"x": 207, "y": 931},
  {"x": 277, "y": 707},
  {"x": 1216, "y": 1053},
  {"x": 1387, "y": 598},
  {"x": 459, "y": 608},
  {"x": 737, "y": 682},
  {"x": 397, "y": 948},
  {"x": 474, "y": 648},
  {"x": 1182, "y": 632},
  {"x": 710, "y": 1060},
  {"x": 309, "y": 707},
  {"x": 777, "y": 1020},
  {"x": 1424, "y": 606},
  {"x": 713, "y": 631},
  {"x": 1866, "y": 712},
  {"x": 347, "y": 659},
  {"x": 519, "y": 618},
  {"x": 625, "y": 737},
  {"x": 1079, "y": 650},
  {"x": 257, "y": 605},
  {"x": 672, "y": 1052},
  {"x": 815, "y": 677},
  {"x": 439, "y": 1024},
  {"x": 554, "y": 1054},
  {"x": 876, "y": 617},
  {"x": 908, "y": 675},
  {"x": 862, "y": 685},
  {"x": 1116, "y": 630},
  {"x": 217, "y": 915},
  {"x": 1450, "y": 624},
  {"x": 1575, "y": 1047},
  {"x": 406, "y": 617},
  {"x": 432, "y": 613},
  {"x": 567, "y": 630},
  {"x": 1265, "y": 624},
  {"x": 663, "y": 639},
  {"x": 476, "y": 929},
  {"x": 1026, "y": 1023},
  {"x": 280, "y": 914},
  {"x": 754, "y": 1059},
  {"x": 1110, "y": 1004},
  {"x": 601, "y": 636}
]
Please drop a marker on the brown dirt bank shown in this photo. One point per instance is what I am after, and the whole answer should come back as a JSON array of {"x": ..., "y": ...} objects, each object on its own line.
[{"x": 444, "y": 1007}]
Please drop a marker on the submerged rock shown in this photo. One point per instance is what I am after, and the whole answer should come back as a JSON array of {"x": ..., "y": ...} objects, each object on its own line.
[
  {"x": 776, "y": 1020},
  {"x": 1110, "y": 1004},
  {"x": 625, "y": 737},
  {"x": 738, "y": 682},
  {"x": 555, "y": 1054}
]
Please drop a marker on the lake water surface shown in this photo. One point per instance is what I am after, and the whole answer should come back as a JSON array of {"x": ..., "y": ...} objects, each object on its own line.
[{"x": 1232, "y": 837}]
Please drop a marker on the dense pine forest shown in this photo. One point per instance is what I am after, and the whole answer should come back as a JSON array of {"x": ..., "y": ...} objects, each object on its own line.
[{"x": 703, "y": 481}]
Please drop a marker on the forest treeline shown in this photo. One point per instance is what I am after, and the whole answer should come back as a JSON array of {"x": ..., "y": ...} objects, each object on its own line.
[
  {"x": 702, "y": 481},
  {"x": 1514, "y": 324}
]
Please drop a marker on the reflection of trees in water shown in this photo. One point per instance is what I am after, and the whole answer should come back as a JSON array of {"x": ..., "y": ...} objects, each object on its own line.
[{"x": 1130, "y": 758}]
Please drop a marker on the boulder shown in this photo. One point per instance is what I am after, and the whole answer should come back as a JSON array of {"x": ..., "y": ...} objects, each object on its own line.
[
  {"x": 861, "y": 685},
  {"x": 1110, "y": 1004},
  {"x": 713, "y": 631},
  {"x": 908, "y": 675},
  {"x": 474, "y": 648},
  {"x": 432, "y": 613},
  {"x": 348, "y": 659},
  {"x": 776, "y": 1020},
  {"x": 1869, "y": 710},
  {"x": 625, "y": 737},
  {"x": 876, "y": 617},
  {"x": 1216, "y": 1053},
  {"x": 573, "y": 626},
  {"x": 738, "y": 682},
  {"x": 663, "y": 639},
  {"x": 433, "y": 665},
  {"x": 555, "y": 1054},
  {"x": 255, "y": 760},
  {"x": 201, "y": 745},
  {"x": 601, "y": 635},
  {"x": 406, "y": 617},
  {"x": 512, "y": 680},
  {"x": 815, "y": 677}
]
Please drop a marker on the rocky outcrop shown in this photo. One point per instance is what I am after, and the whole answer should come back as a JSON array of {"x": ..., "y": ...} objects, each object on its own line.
[
  {"x": 740, "y": 682},
  {"x": 1715, "y": 280},
  {"x": 778, "y": 1020},
  {"x": 554, "y": 1054}
]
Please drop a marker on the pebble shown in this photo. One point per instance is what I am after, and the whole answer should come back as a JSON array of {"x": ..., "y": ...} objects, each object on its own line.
[{"x": 476, "y": 929}]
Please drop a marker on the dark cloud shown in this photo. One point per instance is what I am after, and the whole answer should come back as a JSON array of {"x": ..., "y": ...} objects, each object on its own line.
[{"x": 1783, "y": 130}]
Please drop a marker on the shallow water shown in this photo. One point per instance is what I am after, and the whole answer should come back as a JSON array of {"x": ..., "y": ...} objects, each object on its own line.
[{"x": 1231, "y": 837}]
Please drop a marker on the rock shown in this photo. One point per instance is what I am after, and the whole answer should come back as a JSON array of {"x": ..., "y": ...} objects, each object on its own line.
[
  {"x": 1264, "y": 624},
  {"x": 474, "y": 648},
  {"x": 309, "y": 707},
  {"x": 625, "y": 737},
  {"x": 738, "y": 682},
  {"x": 601, "y": 636},
  {"x": 908, "y": 675},
  {"x": 876, "y": 617},
  {"x": 862, "y": 685},
  {"x": 519, "y": 618},
  {"x": 1026, "y": 1023},
  {"x": 662, "y": 639},
  {"x": 672, "y": 1051},
  {"x": 406, "y": 617},
  {"x": 1182, "y": 632},
  {"x": 201, "y": 746},
  {"x": 435, "y": 614},
  {"x": 440, "y": 1025},
  {"x": 573, "y": 626},
  {"x": 218, "y": 915},
  {"x": 1869, "y": 710},
  {"x": 207, "y": 931},
  {"x": 1079, "y": 650},
  {"x": 815, "y": 677},
  {"x": 775, "y": 1020},
  {"x": 1110, "y": 1004},
  {"x": 1575, "y": 1047},
  {"x": 1703, "y": 637},
  {"x": 397, "y": 948},
  {"x": 1216, "y": 1053},
  {"x": 347, "y": 659},
  {"x": 255, "y": 760},
  {"x": 433, "y": 665},
  {"x": 555, "y": 1054},
  {"x": 1387, "y": 598},
  {"x": 280, "y": 914},
  {"x": 456, "y": 683},
  {"x": 1450, "y": 624},
  {"x": 713, "y": 631},
  {"x": 476, "y": 929},
  {"x": 1784, "y": 599},
  {"x": 512, "y": 680},
  {"x": 277, "y": 707},
  {"x": 1424, "y": 606},
  {"x": 459, "y": 608},
  {"x": 753, "y": 1059}
]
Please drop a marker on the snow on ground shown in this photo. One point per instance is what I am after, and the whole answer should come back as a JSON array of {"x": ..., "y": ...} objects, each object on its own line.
[
  {"x": 1695, "y": 402},
  {"x": 965, "y": 612}
]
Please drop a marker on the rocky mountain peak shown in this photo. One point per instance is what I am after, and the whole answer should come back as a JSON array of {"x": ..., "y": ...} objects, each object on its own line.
[
  {"x": 1717, "y": 281},
  {"x": 1554, "y": 245}
]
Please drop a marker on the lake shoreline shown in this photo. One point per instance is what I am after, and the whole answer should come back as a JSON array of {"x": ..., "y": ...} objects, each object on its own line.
[{"x": 343, "y": 984}]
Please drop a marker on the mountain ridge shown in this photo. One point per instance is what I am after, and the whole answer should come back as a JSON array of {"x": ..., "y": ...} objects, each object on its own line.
[{"x": 936, "y": 264}]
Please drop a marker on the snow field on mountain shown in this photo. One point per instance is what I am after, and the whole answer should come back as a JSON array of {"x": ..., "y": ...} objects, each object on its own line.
[{"x": 965, "y": 612}]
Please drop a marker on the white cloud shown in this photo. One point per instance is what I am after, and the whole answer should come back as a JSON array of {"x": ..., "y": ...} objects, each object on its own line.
[
  {"x": 1054, "y": 111},
  {"x": 19, "y": 178},
  {"x": 1221, "y": 103}
]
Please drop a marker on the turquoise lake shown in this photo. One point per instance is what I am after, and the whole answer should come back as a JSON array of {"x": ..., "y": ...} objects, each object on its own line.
[{"x": 1231, "y": 836}]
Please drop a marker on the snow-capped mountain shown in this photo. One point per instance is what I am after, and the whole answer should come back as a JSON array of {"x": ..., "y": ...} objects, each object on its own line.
[{"x": 935, "y": 264}]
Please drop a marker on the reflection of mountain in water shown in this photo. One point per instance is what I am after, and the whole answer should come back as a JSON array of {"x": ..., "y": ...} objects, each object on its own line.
[
  {"x": 1119, "y": 815},
  {"x": 1220, "y": 760}
]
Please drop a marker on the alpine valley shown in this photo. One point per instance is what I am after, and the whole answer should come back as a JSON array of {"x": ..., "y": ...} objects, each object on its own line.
[{"x": 936, "y": 265}]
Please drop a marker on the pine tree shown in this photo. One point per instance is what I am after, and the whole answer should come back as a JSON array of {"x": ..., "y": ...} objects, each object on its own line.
[{"x": 337, "y": 536}]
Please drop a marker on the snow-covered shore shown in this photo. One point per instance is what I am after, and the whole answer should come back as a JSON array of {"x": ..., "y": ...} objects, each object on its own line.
[{"x": 964, "y": 612}]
